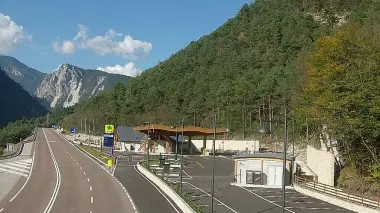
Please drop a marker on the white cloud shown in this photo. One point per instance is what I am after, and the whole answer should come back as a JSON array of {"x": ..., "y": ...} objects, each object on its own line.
[
  {"x": 128, "y": 69},
  {"x": 11, "y": 34},
  {"x": 112, "y": 43},
  {"x": 67, "y": 47}
]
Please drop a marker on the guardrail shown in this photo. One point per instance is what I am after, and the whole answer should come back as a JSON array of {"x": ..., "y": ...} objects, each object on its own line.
[
  {"x": 17, "y": 151},
  {"x": 337, "y": 193}
]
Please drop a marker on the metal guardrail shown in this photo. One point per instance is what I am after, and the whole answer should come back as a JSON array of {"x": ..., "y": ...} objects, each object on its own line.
[
  {"x": 337, "y": 193},
  {"x": 18, "y": 148}
]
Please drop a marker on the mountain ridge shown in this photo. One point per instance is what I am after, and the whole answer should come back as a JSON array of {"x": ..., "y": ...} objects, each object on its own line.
[{"x": 17, "y": 103}]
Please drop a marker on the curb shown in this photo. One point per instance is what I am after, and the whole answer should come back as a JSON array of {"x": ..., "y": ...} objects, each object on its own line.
[
  {"x": 338, "y": 202},
  {"x": 185, "y": 208}
]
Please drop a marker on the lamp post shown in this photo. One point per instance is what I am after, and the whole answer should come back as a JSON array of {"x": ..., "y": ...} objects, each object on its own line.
[
  {"x": 266, "y": 130},
  {"x": 147, "y": 150},
  {"x": 176, "y": 124},
  {"x": 213, "y": 166}
]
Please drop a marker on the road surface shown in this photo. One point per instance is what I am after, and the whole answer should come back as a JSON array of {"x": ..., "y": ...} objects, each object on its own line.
[
  {"x": 148, "y": 197},
  {"x": 63, "y": 179},
  {"x": 232, "y": 199}
]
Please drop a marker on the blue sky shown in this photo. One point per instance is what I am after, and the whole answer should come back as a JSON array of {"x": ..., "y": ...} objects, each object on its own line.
[{"x": 157, "y": 29}]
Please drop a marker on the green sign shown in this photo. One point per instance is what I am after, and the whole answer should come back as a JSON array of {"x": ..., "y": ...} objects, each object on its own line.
[{"x": 109, "y": 129}]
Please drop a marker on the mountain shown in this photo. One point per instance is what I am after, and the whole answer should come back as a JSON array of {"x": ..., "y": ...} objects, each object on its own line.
[
  {"x": 16, "y": 103},
  {"x": 27, "y": 77},
  {"x": 233, "y": 71},
  {"x": 69, "y": 85}
]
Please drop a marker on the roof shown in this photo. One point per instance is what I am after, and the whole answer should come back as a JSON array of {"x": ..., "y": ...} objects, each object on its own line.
[
  {"x": 264, "y": 155},
  {"x": 129, "y": 134},
  {"x": 187, "y": 130}
]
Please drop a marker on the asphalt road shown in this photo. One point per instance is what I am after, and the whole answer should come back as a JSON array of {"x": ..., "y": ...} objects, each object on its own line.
[
  {"x": 147, "y": 197},
  {"x": 243, "y": 200},
  {"x": 63, "y": 179}
]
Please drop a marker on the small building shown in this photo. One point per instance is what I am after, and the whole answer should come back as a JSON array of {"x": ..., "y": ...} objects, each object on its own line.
[
  {"x": 129, "y": 139},
  {"x": 262, "y": 169}
]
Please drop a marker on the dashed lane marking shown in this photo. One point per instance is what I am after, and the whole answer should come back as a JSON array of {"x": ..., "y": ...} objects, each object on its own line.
[
  {"x": 91, "y": 188},
  {"x": 92, "y": 199}
]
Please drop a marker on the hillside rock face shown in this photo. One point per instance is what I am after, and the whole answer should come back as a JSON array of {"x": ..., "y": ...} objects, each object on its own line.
[{"x": 69, "y": 84}]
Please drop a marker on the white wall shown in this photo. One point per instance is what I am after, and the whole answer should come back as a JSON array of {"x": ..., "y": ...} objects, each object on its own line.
[
  {"x": 322, "y": 163},
  {"x": 252, "y": 146}
]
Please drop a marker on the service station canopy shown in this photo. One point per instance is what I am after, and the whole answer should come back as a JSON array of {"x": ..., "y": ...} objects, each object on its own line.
[{"x": 187, "y": 130}]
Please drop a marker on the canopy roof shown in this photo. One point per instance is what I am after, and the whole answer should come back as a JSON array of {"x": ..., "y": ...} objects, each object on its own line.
[{"x": 187, "y": 130}]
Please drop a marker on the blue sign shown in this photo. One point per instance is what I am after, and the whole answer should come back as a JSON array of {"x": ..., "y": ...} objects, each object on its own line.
[
  {"x": 108, "y": 140},
  {"x": 72, "y": 131}
]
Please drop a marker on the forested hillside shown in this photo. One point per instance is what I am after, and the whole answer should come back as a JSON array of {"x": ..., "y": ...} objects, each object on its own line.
[
  {"x": 16, "y": 103},
  {"x": 318, "y": 58},
  {"x": 231, "y": 71}
]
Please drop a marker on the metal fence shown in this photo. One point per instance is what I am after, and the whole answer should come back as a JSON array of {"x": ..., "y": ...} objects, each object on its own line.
[{"x": 337, "y": 193}]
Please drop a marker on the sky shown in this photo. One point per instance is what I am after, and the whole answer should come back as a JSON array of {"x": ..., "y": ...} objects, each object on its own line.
[{"x": 116, "y": 36}]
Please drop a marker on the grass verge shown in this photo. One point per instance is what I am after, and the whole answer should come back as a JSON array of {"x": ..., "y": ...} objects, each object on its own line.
[
  {"x": 196, "y": 206},
  {"x": 99, "y": 155}
]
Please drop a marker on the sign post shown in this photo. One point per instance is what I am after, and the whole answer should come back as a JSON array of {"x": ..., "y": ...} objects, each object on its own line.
[{"x": 109, "y": 141}]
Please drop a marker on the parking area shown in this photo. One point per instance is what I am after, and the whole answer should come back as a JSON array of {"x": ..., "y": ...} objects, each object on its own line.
[
  {"x": 230, "y": 198},
  {"x": 295, "y": 201}
]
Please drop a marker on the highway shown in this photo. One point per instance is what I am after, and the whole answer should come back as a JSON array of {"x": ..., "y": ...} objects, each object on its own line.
[{"x": 63, "y": 179}]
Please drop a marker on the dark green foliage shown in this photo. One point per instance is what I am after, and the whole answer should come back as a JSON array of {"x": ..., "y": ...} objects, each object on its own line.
[
  {"x": 16, "y": 103},
  {"x": 28, "y": 78}
]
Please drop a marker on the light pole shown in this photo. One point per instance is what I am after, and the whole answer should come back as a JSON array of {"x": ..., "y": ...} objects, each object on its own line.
[
  {"x": 213, "y": 166},
  {"x": 266, "y": 130},
  {"x": 147, "y": 150},
  {"x": 176, "y": 124}
]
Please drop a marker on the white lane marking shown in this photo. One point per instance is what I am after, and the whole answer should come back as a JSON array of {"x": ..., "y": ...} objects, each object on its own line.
[
  {"x": 26, "y": 160},
  {"x": 80, "y": 168},
  {"x": 30, "y": 173},
  {"x": 1, "y": 209},
  {"x": 104, "y": 168},
  {"x": 74, "y": 160},
  {"x": 58, "y": 177},
  {"x": 91, "y": 188},
  {"x": 210, "y": 196},
  {"x": 52, "y": 141},
  {"x": 88, "y": 180},
  {"x": 84, "y": 173},
  {"x": 92, "y": 199},
  {"x": 167, "y": 199},
  {"x": 77, "y": 163},
  {"x": 18, "y": 164},
  {"x": 266, "y": 199},
  {"x": 13, "y": 172},
  {"x": 14, "y": 168}
]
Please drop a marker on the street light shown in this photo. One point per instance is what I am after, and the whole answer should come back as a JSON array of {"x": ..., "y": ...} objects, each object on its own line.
[
  {"x": 266, "y": 130},
  {"x": 176, "y": 124},
  {"x": 213, "y": 166},
  {"x": 147, "y": 150}
]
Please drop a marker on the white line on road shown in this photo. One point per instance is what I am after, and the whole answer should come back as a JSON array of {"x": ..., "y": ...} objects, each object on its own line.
[
  {"x": 214, "y": 197},
  {"x": 90, "y": 188},
  {"x": 92, "y": 199},
  {"x": 58, "y": 177},
  {"x": 84, "y": 173},
  {"x": 157, "y": 190},
  {"x": 88, "y": 180},
  {"x": 80, "y": 168},
  {"x": 1, "y": 209},
  {"x": 30, "y": 173},
  {"x": 265, "y": 199}
]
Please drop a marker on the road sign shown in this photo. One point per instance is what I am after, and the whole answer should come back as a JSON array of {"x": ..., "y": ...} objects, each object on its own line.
[
  {"x": 109, "y": 128},
  {"x": 72, "y": 130},
  {"x": 108, "y": 140}
]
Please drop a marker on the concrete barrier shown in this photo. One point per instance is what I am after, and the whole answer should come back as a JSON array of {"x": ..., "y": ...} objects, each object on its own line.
[
  {"x": 185, "y": 208},
  {"x": 329, "y": 199}
]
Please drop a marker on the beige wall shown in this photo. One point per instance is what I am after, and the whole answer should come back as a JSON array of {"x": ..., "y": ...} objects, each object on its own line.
[
  {"x": 228, "y": 145},
  {"x": 322, "y": 163}
]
